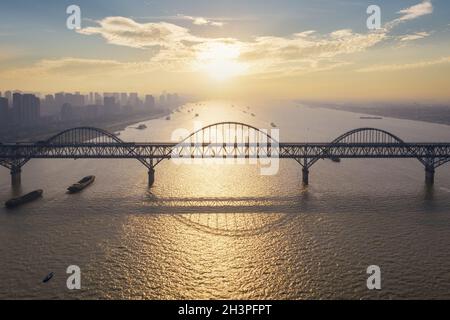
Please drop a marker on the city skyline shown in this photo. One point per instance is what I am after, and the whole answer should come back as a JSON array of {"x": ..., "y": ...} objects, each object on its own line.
[
  {"x": 282, "y": 49},
  {"x": 24, "y": 113}
]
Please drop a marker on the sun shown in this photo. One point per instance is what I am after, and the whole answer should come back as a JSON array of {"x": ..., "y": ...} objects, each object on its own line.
[{"x": 220, "y": 60}]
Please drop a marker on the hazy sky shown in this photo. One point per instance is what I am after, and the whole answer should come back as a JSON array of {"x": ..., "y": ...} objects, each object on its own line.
[{"x": 317, "y": 49}]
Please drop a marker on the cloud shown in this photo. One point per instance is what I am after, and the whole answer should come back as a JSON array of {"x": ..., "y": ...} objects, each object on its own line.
[
  {"x": 200, "y": 21},
  {"x": 418, "y": 10},
  {"x": 127, "y": 32},
  {"x": 413, "y": 37},
  {"x": 413, "y": 12},
  {"x": 75, "y": 67},
  {"x": 406, "y": 66},
  {"x": 306, "y": 51},
  {"x": 179, "y": 49},
  {"x": 175, "y": 48}
]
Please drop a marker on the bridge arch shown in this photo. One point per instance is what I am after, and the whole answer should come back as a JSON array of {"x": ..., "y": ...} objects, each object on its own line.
[
  {"x": 222, "y": 133},
  {"x": 77, "y": 135},
  {"x": 368, "y": 135},
  {"x": 83, "y": 134},
  {"x": 364, "y": 135}
]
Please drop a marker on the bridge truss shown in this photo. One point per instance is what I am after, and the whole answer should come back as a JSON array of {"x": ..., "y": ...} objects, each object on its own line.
[{"x": 231, "y": 140}]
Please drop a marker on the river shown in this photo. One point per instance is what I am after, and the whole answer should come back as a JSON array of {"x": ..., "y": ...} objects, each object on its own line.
[{"x": 226, "y": 232}]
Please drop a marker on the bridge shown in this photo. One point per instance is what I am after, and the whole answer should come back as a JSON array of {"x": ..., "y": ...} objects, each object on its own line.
[{"x": 230, "y": 140}]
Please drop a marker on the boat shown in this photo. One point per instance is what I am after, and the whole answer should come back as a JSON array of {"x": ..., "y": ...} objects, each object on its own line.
[
  {"x": 196, "y": 114},
  {"x": 141, "y": 127},
  {"x": 273, "y": 125},
  {"x": 48, "y": 277},
  {"x": 80, "y": 185},
  {"x": 371, "y": 118},
  {"x": 24, "y": 199}
]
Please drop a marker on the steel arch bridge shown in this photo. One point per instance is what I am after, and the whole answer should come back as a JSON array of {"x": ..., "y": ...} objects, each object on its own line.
[{"x": 231, "y": 140}]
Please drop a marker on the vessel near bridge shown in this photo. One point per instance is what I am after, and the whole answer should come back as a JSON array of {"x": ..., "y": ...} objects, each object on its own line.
[{"x": 230, "y": 140}]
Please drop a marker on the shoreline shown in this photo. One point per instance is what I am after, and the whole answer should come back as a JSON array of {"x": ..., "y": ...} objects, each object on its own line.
[
  {"x": 111, "y": 126},
  {"x": 437, "y": 119}
]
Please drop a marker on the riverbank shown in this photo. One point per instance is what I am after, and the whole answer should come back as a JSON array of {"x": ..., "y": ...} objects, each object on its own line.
[
  {"x": 111, "y": 125},
  {"x": 439, "y": 114}
]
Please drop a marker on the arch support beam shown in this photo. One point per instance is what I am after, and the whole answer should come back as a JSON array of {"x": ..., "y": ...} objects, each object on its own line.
[
  {"x": 16, "y": 175},
  {"x": 305, "y": 171},
  {"x": 305, "y": 176},
  {"x": 429, "y": 174},
  {"x": 151, "y": 177}
]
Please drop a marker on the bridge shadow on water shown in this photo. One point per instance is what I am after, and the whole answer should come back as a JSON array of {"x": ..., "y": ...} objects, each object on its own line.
[
  {"x": 247, "y": 216},
  {"x": 233, "y": 216}
]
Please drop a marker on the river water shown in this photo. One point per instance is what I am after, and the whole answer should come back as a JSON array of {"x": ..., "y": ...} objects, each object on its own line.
[{"x": 227, "y": 232}]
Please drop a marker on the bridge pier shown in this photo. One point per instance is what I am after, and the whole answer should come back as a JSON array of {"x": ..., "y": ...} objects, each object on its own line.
[
  {"x": 429, "y": 175},
  {"x": 151, "y": 177},
  {"x": 305, "y": 176},
  {"x": 16, "y": 176}
]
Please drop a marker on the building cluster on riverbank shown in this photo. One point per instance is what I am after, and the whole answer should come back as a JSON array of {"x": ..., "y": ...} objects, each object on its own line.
[{"x": 22, "y": 113}]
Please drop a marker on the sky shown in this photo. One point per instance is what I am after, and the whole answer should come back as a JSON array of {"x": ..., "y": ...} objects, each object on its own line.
[{"x": 294, "y": 49}]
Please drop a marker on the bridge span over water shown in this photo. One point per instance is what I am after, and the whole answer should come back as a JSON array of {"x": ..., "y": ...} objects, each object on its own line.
[{"x": 230, "y": 140}]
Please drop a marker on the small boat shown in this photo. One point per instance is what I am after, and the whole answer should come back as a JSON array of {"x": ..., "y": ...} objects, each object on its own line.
[
  {"x": 48, "y": 277},
  {"x": 168, "y": 118},
  {"x": 24, "y": 199},
  {"x": 80, "y": 185},
  {"x": 336, "y": 159},
  {"x": 371, "y": 118},
  {"x": 253, "y": 114},
  {"x": 141, "y": 127},
  {"x": 196, "y": 114},
  {"x": 273, "y": 125}
]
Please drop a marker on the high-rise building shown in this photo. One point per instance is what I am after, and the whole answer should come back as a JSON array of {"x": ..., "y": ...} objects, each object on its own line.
[
  {"x": 49, "y": 100},
  {"x": 78, "y": 100},
  {"x": 17, "y": 105},
  {"x": 110, "y": 105},
  {"x": 31, "y": 109},
  {"x": 162, "y": 99},
  {"x": 4, "y": 111},
  {"x": 116, "y": 96},
  {"x": 133, "y": 99},
  {"x": 124, "y": 99},
  {"x": 26, "y": 109},
  {"x": 149, "y": 102},
  {"x": 59, "y": 99},
  {"x": 8, "y": 95},
  {"x": 98, "y": 98}
]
